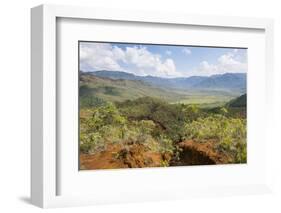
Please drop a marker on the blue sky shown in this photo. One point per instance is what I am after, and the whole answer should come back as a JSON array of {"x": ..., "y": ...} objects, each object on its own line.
[{"x": 161, "y": 60}]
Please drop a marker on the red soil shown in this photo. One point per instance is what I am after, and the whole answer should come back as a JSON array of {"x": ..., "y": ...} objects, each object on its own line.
[
  {"x": 118, "y": 156},
  {"x": 138, "y": 156},
  {"x": 201, "y": 153}
]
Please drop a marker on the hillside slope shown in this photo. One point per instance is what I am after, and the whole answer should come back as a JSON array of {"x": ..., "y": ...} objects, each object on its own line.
[
  {"x": 96, "y": 90},
  {"x": 231, "y": 82},
  {"x": 241, "y": 101},
  {"x": 120, "y": 90}
]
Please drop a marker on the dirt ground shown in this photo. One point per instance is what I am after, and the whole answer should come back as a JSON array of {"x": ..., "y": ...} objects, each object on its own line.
[
  {"x": 139, "y": 156},
  {"x": 196, "y": 153},
  {"x": 117, "y": 156}
]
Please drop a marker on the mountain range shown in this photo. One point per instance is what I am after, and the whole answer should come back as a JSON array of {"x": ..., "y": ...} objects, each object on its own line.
[{"x": 234, "y": 82}]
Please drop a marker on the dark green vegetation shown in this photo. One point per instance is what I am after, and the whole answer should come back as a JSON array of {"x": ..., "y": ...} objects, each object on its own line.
[
  {"x": 239, "y": 102},
  {"x": 132, "y": 112}
]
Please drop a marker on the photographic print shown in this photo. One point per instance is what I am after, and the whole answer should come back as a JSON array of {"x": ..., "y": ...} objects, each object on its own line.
[{"x": 158, "y": 105}]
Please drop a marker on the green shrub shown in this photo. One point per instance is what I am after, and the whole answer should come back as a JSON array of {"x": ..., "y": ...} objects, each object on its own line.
[
  {"x": 230, "y": 133},
  {"x": 160, "y": 126},
  {"x": 169, "y": 118}
]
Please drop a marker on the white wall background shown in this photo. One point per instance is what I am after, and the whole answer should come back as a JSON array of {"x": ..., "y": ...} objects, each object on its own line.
[{"x": 15, "y": 104}]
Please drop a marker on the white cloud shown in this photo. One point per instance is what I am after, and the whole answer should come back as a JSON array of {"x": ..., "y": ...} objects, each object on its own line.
[
  {"x": 118, "y": 53},
  {"x": 140, "y": 61},
  {"x": 186, "y": 51},
  {"x": 206, "y": 68},
  {"x": 229, "y": 62},
  {"x": 150, "y": 63},
  {"x": 168, "y": 52},
  {"x": 97, "y": 56},
  {"x": 168, "y": 68}
]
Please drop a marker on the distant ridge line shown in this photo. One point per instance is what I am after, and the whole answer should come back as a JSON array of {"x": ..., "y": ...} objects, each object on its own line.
[{"x": 226, "y": 81}]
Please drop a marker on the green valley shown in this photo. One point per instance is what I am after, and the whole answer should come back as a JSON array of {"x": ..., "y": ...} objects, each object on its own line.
[{"x": 130, "y": 123}]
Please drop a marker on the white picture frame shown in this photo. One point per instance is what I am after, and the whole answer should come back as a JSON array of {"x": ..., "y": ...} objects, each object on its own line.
[{"x": 44, "y": 154}]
